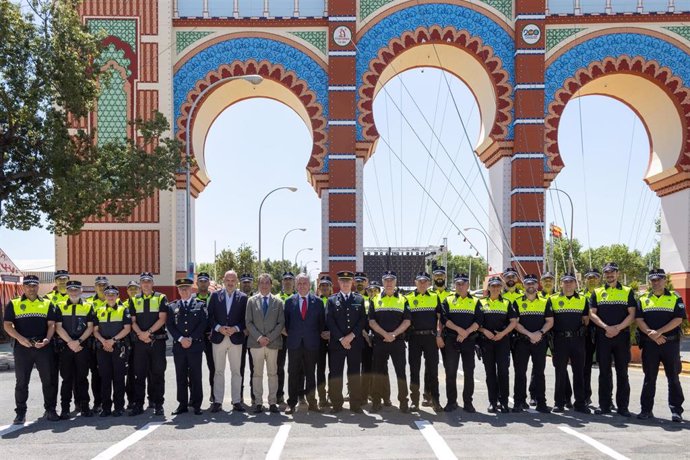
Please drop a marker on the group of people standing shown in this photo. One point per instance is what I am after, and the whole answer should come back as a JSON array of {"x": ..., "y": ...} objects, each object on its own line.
[{"x": 122, "y": 343}]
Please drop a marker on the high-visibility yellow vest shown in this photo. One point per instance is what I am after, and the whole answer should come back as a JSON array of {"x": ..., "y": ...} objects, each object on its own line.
[{"x": 389, "y": 303}]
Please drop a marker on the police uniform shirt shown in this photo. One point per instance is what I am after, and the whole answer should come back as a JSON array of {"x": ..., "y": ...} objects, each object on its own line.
[
  {"x": 424, "y": 309},
  {"x": 497, "y": 313},
  {"x": 544, "y": 295},
  {"x": 512, "y": 296},
  {"x": 30, "y": 318},
  {"x": 462, "y": 311},
  {"x": 658, "y": 311},
  {"x": 346, "y": 314},
  {"x": 567, "y": 311},
  {"x": 612, "y": 303},
  {"x": 533, "y": 313},
  {"x": 389, "y": 311},
  {"x": 56, "y": 296},
  {"x": 187, "y": 317},
  {"x": 96, "y": 303},
  {"x": 284, "y": 296},
  {"x": 441, "y": 293},
  {"x": 74, "y": 317},
  {"x": 145, "y": 308},
  {"x": 204, "y": 298},
  {"x": 111, "y": 320}
]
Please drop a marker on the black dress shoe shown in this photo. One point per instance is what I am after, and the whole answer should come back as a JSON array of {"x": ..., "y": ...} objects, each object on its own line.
[
  {"x": 624, "y": 412},
  {"x": 158, "y": 410},
  {"x": 583, "y": 409},
  {"x": 602, "y": 411},
  {"x": 532, "y": 402},
  {"x": 65, "y": 415},
  {"x": 469, "y": 408},
  {"x": 290, "y": 410},
  {"x": 118, "y": 412},
  {"x": 336, "y": 409},
  {"x": 645, "y": 415},
  {"x": 356, "y": 410},
  {"x": 492, "y": 409},
  {"x": 136, "y": 410},
  {"x": 450, "y": 407},
  {"x": 180, "y": 410},
  {"x": 313, "y": 407},
  {"x": 414, "y": 407},
  {"x": 52, "y": 416},
  {"x": 569, "y": 405},
  {"x": 198, "y": 411},
  {"x": 387, "y": 403},
  {"x": 504, "y": 408},
  {"x": 273, "y": 409},
  {"x": 676, "y": 417},
  {"x": 543, "y": 408},
  {"x": 517, "y": 408},
  {"x": 237, "y": 407},
  {"x": 105, "y": 413},
  {"x": 258, "y": 409},
  {"x": 375, "y": 407},
  {"x": 558, "y": 410},
  {"x": 86, "y": 412},
  {"x": 216, "y": 407},
  {"x": 436, "y": 406},
  {"x": 20, "y": 419},
  {"x": 404, "y": 408}
]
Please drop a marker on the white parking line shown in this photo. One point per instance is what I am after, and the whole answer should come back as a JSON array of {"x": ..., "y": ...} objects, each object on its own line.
[
  {"x": 438, "y": 445},
  {"x": 594, "y": 443},
  {"x": 278, "y": 443},
  {"x": 7, "y": 429},
  {"x": 138, "y": 435}
]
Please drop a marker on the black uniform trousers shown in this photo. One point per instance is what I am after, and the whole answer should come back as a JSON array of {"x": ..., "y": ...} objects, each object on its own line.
[
  {"x": 617, "y": 348},
  {"x": 423, "y": 345},
  {"x": 95, "y": 375},
  {"x": 590, "y": 352},
  {"x": 149, "y": 361},
  {"x": 453, "y": 351},
  {"x": 569, "y": 349},
  {"x": 396, "y": 351},
  {"x": 74, "y": 370},
  {"x": 496, "y": 357},
  {"x": 301, "y": 367},
  {"x": 113, "y": 369},
  {"x": 336, "y": 361},
  {"x": 246, "y": 356},
  {"x": 523, "y": 351},
  {"x": 188, "y": 374},
  {"x": 322, "y": 362},
  {"x": 24, "y": 361},
  {"x": 208, "y": 351},
  {"x": 668, "y": 355},
  {"x": 129, "y": 382},
  {"x": 282, "y": 357},
  {"x": 368, "y": 375}
]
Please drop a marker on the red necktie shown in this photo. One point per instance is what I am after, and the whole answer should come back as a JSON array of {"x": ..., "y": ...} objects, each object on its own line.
[{"x": 304, "y": 308}]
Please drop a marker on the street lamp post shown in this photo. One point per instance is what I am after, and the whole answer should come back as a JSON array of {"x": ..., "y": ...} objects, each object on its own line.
[
  {"x": 572, "y": 222},
  {"x": 486, "y": 239},
  {"x": 282, "y": 253},
  {"x": 310, "y": 262},
  {"x": 254, "y": 80},
  {"x": 292, "y": 189},
  {"x": 300, "y": 251}
]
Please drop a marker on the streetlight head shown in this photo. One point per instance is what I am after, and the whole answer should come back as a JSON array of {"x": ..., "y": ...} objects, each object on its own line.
[
  {"x": 302, "y": 229},
  {"x": 253, "y": 79},
  {"x": 292, "y": 189}
]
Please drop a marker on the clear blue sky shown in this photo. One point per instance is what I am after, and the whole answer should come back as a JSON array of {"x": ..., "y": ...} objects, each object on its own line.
[{"x": 260, "y": 144}]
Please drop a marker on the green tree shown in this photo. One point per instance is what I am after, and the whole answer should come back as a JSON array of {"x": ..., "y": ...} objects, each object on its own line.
[
  {"x": 631, "y": 264},
  {"x": 50, "y": 175}
]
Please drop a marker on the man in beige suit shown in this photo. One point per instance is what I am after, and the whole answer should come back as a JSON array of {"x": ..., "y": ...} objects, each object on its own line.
[{"x": 265, "y": 321}]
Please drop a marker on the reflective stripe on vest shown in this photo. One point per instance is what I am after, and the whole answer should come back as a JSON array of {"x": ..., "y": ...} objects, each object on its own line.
[
  {"x": 562, "y": 304},
  {"x": 495, "y": 306},
  {"x": 532, "y": 307},
  {"x": 458, "y": 304},
  {"x": 82, "y": 309},
  {"x": 112, "y": 315},
  {"x": 389, "y": 303},
  {"x": 419, "y": 302},
  {"x": 650, "y": 302},
  {"x": 612, "y": 296},
  {"x": 26, "y": 308},
  {"x": 442, "y": 295},
  {"x": 154, "y": 303},
  {"x": 512, "y": 296}
]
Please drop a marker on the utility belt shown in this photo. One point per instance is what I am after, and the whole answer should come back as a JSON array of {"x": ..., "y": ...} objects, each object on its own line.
[
  {"x": 571, "y": 334},
  {"x": 424, "y": 332},
  {"x": 449, "y": 333},
  {"x": 61, "y": 345},
  {"x": 380, "y": 338},
  {"x": 118, "y": 343},
  {"x": 33, "y": 340},
  {"x": 669, "y": 338},
  {"x": 162, "y": 336}
]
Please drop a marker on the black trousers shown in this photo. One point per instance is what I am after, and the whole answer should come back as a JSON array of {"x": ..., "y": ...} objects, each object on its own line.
[
  {"x": 322, "y": 363},
  {"x": 74, "y": 370},
  {"x": 590, "y": 352},
  {"x": 24, "y": 361},
  {"x": 188, "y": 374},
  {"x": 149, "y": 360},
  {"x": 667, "y": 354},
  {"x": 129, "y": 382},
  {"x": 301, "y": 362},
  {"x": 569, "y": 349},
  {"x": 496, "y": 357},
  {"x": 336, "y": 360},
  {"x": 618, "y": 350},
  {"x": 453, "y": 351},
  {"x": 382, "y": 351},
  {"x": 95, "y": 375},
  {"x": 246, "y": 356},
  {"x": 524, "y": 350},
  {"x": 282, "y": 355},
  {"x": 423, "y": 345},
  {"x": 113, "y": 368},
  {"x": 208, "y": 351}
]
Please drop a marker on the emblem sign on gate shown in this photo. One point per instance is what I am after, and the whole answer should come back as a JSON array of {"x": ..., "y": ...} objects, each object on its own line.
[
  {"x": 531, "y": 34},
  {"x": 342, "y": 36}
]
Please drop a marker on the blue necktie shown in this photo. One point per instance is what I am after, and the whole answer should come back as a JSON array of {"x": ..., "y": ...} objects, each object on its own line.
[{"x": 265, "y": 305}]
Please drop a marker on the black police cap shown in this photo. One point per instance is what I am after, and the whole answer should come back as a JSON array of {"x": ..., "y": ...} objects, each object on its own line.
[
  {"x": 461, "y": 277},
  {"x": 102, "y": 280},
  {"x": 389, "y": 274},
  {"x": 546, "y": 275},
  {"x": 61, "y": 274},
  {"x": 593, "y": 273},
  {"x": 510, "y": 271},
  {"x": 345, "y": 275},
  {"x": 288, "y": 276},
  {"x": 495, "y": 280},
  {"x": 31, "y": 280},
  {"x": 375, "y": 284},
  {"x": 132, "y": 283},
  {"x": 247, "y": 277},
  {"x": 325, "y": 279},
  {"x": 439, "y": 270},
  {"x": 146, "y": 276},
  {"x": 530, "y": 278},
  {"x": 361, "y": 276},
  {"x": 610, "y": 266},
  {"x": 422, "y": 276},
  {"x": 656, "y": 273},
  {"x": 73, "y": 284},
  {"x": 568, "y": 277},
  {"x": 184, "y": 282},
  {"x": 110, "y": 289},
  {"x": 203, "y": 276}
]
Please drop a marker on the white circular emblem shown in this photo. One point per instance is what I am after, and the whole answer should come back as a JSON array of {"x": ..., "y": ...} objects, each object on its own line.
[
  {"x": 342, "y": 36},
  {"x": 531, "y": 34}
]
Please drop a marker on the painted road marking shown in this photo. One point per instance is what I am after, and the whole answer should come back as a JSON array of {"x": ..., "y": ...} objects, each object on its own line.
[
  {"x": 7, "y": 429},
  {"x": 594, "y": 443},
  {"x": 438, "y": 445},
  {"x": 133, "y": 438},
  {"x": 278, "y": 443}
]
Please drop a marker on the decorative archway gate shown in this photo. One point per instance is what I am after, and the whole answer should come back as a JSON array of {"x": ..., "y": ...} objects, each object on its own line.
[{"x": 327, "y": 61}]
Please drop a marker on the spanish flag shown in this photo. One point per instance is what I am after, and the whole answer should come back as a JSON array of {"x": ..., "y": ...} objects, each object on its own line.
[{"x": 556, "y": 231}]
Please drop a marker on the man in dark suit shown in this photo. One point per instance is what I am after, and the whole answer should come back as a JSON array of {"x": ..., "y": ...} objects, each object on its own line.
[
  {"x": 346, "y": 318},
  {"x": 226, "y": 317},
  {"x": 305, "y": 319}
]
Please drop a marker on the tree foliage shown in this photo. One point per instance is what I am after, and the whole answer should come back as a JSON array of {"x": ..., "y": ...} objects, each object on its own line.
[{"x": 50, "y": 173}]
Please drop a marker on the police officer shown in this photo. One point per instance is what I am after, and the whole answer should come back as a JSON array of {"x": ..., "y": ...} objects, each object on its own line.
[
  {"x": 74, "y": 321},
  {"x": 425, "y": 310},
  {"x": 534, "y": 322},
  {"x": 373, "y": 291},
  {"x": 389, "y": 318},
  {"x": 203, "y": 282},
  {"x": 57, "y": 295},
  {"x": 592, "y": 282},
  {"x": 288, "y": 289},
  {"x": 659, "y": 316},
  {"x": 247, "y": 286},
  {"x": 548, "y": 285},
  {"x": 113, "y": 325},
  {"x": 187, "y": 323},
  {"x": 345, "y": 319},
  {"x": 132, "y": 291},
  {"x": 461, "y": 316},
  {"x": 570, "y": 319},
  {"x": 30, "y": 321},
  {"x": 439, "y": 288},
  {"x": 500, "y": 319},
  {"x": 149, "y": 315},
  {"x": 97, "y": 302},
  {"x": 325, "y": 291},
  {"x": 612, "y": 309}
]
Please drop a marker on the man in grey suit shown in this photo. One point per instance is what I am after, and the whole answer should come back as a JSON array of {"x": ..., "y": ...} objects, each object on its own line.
[{"x": 265, "y": 321}]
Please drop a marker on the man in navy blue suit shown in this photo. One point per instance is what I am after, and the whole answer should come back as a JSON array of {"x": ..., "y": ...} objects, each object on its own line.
[
  {"x": 226, "y": 318},
  {"x": 305, "y": 319}
]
